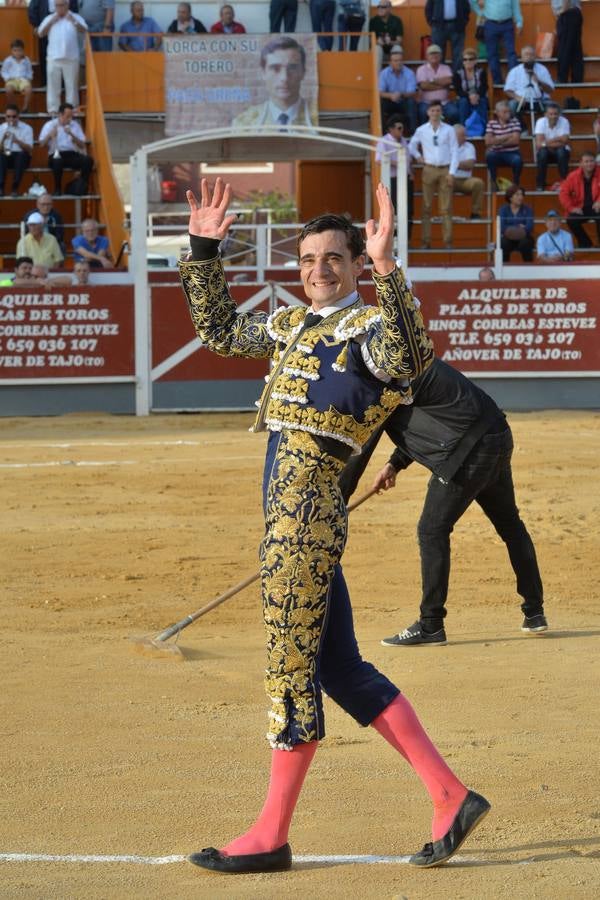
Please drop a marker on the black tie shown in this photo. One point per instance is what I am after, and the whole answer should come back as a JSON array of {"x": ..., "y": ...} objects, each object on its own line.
[{"x": 311, "y": 319}]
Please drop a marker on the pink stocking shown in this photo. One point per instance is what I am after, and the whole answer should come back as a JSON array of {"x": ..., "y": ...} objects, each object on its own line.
[
  {"x": 399, "y": 725},
  {"x": 288, "y": 770}
]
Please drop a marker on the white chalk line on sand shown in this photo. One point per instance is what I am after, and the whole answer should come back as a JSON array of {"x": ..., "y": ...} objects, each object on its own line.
[
  {"x": 231, "y": 439},
  {"x": 70, "y": 462},
  {"x": 348, "y": 859},
  {"x": 126, "y": 462}
]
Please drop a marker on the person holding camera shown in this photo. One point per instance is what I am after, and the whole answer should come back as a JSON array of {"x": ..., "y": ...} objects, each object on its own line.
[
  {"x": 528, "y": 85},
  {"x": 16, "y": 146}
]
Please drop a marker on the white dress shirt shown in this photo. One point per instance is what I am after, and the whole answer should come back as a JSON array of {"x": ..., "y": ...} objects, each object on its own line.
[
  {"x": 16, "y": 68},
  {"x": 436, "y": 146},
  {"x": 23, "y": 131},
  {"x": 63, "y": 40},
  {"x": 460, "y": 154},
  {"x": 518, "y": 80},
  {"x": 562, "y": 127},
  {"x": 63, "y": 141}
]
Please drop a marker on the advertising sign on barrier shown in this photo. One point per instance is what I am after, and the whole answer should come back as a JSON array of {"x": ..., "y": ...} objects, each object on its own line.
[
  {"x": 66, "y": 333},
  {"x": 529, "y": 327}
]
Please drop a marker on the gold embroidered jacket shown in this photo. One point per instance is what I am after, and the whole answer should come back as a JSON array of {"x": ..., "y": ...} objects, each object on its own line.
[{"x": 320, "y": 382}]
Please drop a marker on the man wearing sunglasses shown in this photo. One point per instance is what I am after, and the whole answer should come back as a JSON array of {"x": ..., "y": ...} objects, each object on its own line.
[
  {"x": 16, "y": 145},
  {"x": 432, "y": 145}
]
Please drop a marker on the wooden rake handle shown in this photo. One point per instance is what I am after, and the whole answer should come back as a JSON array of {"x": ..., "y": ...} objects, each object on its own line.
[{"x": 232, "y": 591}]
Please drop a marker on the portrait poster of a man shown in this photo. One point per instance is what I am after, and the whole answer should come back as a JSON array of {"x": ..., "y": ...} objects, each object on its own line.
[{"x": 243, "y": 81}]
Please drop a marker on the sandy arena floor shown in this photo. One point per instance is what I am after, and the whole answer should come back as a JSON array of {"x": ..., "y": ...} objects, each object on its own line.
[{"x": 113, "y": 528}]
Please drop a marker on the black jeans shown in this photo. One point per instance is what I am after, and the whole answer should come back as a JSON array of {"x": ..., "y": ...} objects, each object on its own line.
[
  {"x": 575, "y": 222},
  {"x": 485, "y": 477},
  {"x": 560, "y": 156},
  {"x": 570, "y": 49},
  {"x": 71, "y": 160},
  {"x": 19, "y": 162},
  {"x": 524, "y": 246}
]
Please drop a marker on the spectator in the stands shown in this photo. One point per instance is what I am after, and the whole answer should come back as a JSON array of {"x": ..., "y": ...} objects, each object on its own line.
[
  {"x": 63, "y": 28},
  {"x": 501, "y": 18},
  {"x": 41, "y": 247},
  {"x": 53, "y": 221},
  {"x": 388, "y": 146},
  {"x": 388, "y": 30},
  {"x": 321, "y": 18},
  {"x": 227, "y": 23},
  {"x": 432, "y": 144},
  {"x": 398, "y": 90},
  {"x": 185, "y": 23},
  {"x": 471, "y": 87},
  {"x": 91, "y": 246},
  {"x": 555, "y": 244},
  {"x": 140, "y": 32},
  {"x": 99, "y": 15},
  {"x": 502, "y": 139},
  {"x": 569, "y": 50},
  {"x": 17, "y": 74},
  {"x": 596, "y": 133},
  {"x": 528, "y": 85},
  {"x": 448, "y": 21},
  {"x": 461, "y": 169},
  {"x": 16, "y": 147},
  {"x": 36, "y": 13},
  {"x": 66, "y": 147},
  {"x": 351, "y": 18},
  {"x": 81, "y": 272},
  {"x": 486, "y": 274},
  {"x": 23, "y": 272},
  {"x": 516, "y": 225},
  {"x": 40, "y": 272},
  {"x": 551, "y": 140},
  {"x": 282, "y": 16},
  {"x": 434, "y": 80},
  {"x": 580, "y": 198}
]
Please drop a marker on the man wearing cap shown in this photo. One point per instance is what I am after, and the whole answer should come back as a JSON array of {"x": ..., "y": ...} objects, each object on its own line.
[
  {"x": 398, "y": 89},
  {"x": 16, "y": 145},
  {"x": 388, "y": 30},
  {"x": 556, "y": 244},
  {"x": 41, "y": 247},
  {"x": 448, "y": 20},
  {"x": 501, "y": 17},
  {"x": 433, "y": 80},
  {"x": 53, "y": 221}
]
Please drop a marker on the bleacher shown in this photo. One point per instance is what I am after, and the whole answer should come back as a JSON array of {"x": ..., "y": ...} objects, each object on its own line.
[
  {"x": 347, "y": 86},
  {"x": 72, "y": 209}
]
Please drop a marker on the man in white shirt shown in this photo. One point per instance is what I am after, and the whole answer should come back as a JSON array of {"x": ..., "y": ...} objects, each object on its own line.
[
  {"x": 551, "y": 142},
  {"x": 528, "y": 85},
  {"x": 62, "y": 61},
  {"x": 388, "y": 146},
  {"x": 16, "y": 146},
  {"x": 461, "y": 170},
  {"x": 432, "y": 144},
  {"x": 66, "y": 146}
]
